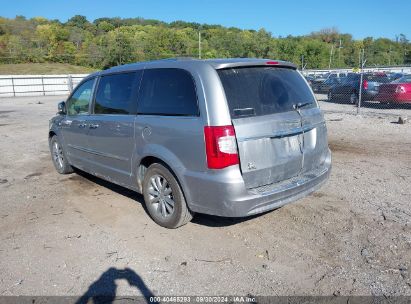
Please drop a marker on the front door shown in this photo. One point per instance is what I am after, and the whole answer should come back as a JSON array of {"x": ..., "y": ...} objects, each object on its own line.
[
  {"x": 111, "y": 127},
  {"x": 74, "y": 127}
]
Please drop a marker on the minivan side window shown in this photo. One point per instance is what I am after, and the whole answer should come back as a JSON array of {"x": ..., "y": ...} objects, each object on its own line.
[
  {"x": 167, "y": 92},
  {"x": 79, "y": 101},
  {"x": 117, "y": 93}
]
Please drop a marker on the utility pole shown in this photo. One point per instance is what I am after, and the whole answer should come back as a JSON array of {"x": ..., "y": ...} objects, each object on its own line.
[
  {"x": 302, "y": 62},
  {"x": 199, "y": 44},
  {"x": 361, "y": 80},
  {"x": 359, "y": 59},
  {"x": 339, "y": 52},
  {"x": 331, "y": 54}
]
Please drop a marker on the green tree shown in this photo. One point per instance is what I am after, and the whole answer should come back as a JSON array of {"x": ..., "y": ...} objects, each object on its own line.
[
  {"x": 110, "y": 41},
  {"x": 78, "y": 21},
  {"x": 118, "y": 48}
]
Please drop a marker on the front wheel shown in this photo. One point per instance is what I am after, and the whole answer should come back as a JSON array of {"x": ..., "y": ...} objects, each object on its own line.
[
  {"x": 59, "y": 157},
  {"x": 354, "y": 98},
  {"x": 164, "y": 198}
]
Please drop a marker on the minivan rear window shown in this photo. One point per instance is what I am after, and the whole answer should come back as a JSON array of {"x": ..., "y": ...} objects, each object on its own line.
[
  {"x": 377, "y": 78},
  {"x": 257, "y": 91}
]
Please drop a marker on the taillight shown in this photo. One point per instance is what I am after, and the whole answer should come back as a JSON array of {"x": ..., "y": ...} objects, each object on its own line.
[
  {"x": 221, "y": 146},
  {"x": 365, "y": 84},
  {"x": 272, "y": 62},
  {"x": 400, "y": 89}
]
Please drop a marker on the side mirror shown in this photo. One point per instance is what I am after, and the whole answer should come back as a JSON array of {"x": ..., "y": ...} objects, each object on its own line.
[{"x": 61, "y": 108}]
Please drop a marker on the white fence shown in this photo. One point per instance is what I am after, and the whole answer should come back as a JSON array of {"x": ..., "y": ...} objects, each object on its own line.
[
  {"x": 44, "y": 85},
  {"x": 393, "y": 69},
  {"x": 38, "y": 85}
]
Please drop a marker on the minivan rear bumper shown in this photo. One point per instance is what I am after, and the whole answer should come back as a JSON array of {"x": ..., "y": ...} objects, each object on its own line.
[
  {"x": 227, "y": 195},
  {"x": 369, "y": 94}
]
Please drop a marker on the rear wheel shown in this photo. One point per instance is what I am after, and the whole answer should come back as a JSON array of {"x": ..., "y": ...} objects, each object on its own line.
[
  {"x": 59, "y": 157},
  {"x": 385, "y": 104},
  {"x": 354, "y": 98},
  {"x": 164, "y": 198},
  {"x": 330, "y": 96}
]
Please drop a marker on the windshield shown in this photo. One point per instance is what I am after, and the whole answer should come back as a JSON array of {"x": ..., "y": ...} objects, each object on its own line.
[
  {"x": 404, "y": 79},
  {"x": 258, "y": 91}
]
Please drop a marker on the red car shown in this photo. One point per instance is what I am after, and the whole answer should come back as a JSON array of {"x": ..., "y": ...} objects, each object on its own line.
[{"x": 398, "y": 91}]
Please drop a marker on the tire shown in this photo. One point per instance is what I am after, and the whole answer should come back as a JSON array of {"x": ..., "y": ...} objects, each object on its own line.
[
  {"x": 330, "y": 96},
  {"x": 354, "y": 98},
  {"x": 164, "y": 198},
  {"x": 386, "y": 104},
  {"x": 58, "y": 156}
]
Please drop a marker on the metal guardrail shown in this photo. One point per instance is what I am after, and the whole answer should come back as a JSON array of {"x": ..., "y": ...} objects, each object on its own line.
[{"x": 38, "y": 85}]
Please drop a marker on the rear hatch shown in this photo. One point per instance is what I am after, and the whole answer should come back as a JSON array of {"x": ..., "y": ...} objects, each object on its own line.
[
  {"x": 373, "y": 82},
  {"x": 279, "y": 128},
  {"x": 388, "y": 88}
]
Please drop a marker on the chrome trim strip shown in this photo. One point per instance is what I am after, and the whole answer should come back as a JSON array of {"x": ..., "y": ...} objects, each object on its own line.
[
  {"x": 98, "y": 153},
  {"x": 282, "y": 133}
]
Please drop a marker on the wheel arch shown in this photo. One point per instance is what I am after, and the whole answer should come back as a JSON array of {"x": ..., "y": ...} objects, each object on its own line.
[
  {"x": 51, "y": 134},
  {"x": 175, "y": 169}
]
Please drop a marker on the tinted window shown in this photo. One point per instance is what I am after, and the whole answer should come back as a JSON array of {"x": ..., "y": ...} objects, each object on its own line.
[
  {"x": 116, "y": 93},
  {"x": 167, "y": 92},
  {"x": 351, "y": 78},
  {"x": 263, "y": 90},
  {"x": 80, "y": 99},
  {"x": 333, "y": 80},
  {"x": 377, "y": 78}
]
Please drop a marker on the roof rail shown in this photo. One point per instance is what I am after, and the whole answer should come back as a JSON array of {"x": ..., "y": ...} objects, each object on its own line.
[{"x": 180, "y": 58}]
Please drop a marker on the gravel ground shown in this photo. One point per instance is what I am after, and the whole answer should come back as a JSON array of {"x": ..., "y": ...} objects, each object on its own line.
[{"x": 78, "y": 235}]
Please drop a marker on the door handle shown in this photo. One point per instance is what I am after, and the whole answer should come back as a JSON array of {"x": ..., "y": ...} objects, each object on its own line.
[
  {"x": 93, "y": 126},
  {"x": 66, "y": 123}
]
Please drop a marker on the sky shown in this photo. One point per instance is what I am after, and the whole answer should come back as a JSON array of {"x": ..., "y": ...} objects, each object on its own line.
[{"x": 361, "y": 18}]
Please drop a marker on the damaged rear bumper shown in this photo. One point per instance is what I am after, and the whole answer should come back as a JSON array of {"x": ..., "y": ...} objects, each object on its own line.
[{"x": 227, "y": 195}]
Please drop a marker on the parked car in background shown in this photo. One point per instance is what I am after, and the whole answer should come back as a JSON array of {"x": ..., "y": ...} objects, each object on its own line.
[
  {"x": 320, "y": 77},
  {"x": 325, "y": 86},
  {"x": 309, "y": 79},
  {"x": 323, "y": 83},
  {"x": 349, "y": 88},
  {"x": 395, "y": 76},
  {"x": 229, "y": 137},
  {"x": 398, "y": 91}
]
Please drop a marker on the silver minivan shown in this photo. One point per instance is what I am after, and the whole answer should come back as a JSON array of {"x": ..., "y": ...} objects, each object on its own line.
[{"x": 227, "y": 137}]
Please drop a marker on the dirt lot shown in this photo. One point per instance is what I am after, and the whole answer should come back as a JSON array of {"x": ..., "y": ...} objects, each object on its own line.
[{"x": 68, "y": 235}]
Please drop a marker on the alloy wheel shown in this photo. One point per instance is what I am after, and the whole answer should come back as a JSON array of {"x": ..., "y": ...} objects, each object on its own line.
[
  {"x": 58, "y": 156},
  {"x": 161, "y": 196}
]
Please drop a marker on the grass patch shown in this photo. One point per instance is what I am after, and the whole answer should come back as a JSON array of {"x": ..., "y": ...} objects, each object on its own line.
[{"x": 43, "y": 69}]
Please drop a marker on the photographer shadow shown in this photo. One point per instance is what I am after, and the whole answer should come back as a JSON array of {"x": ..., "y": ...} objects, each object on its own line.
[{"x": 105, "y": 288}]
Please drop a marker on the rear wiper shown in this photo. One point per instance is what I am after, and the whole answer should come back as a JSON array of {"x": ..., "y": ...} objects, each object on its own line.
[{"x": 301, "y": 105}]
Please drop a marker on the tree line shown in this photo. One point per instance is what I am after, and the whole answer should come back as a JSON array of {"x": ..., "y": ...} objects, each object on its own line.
[{"x": 106, "y": 42}]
